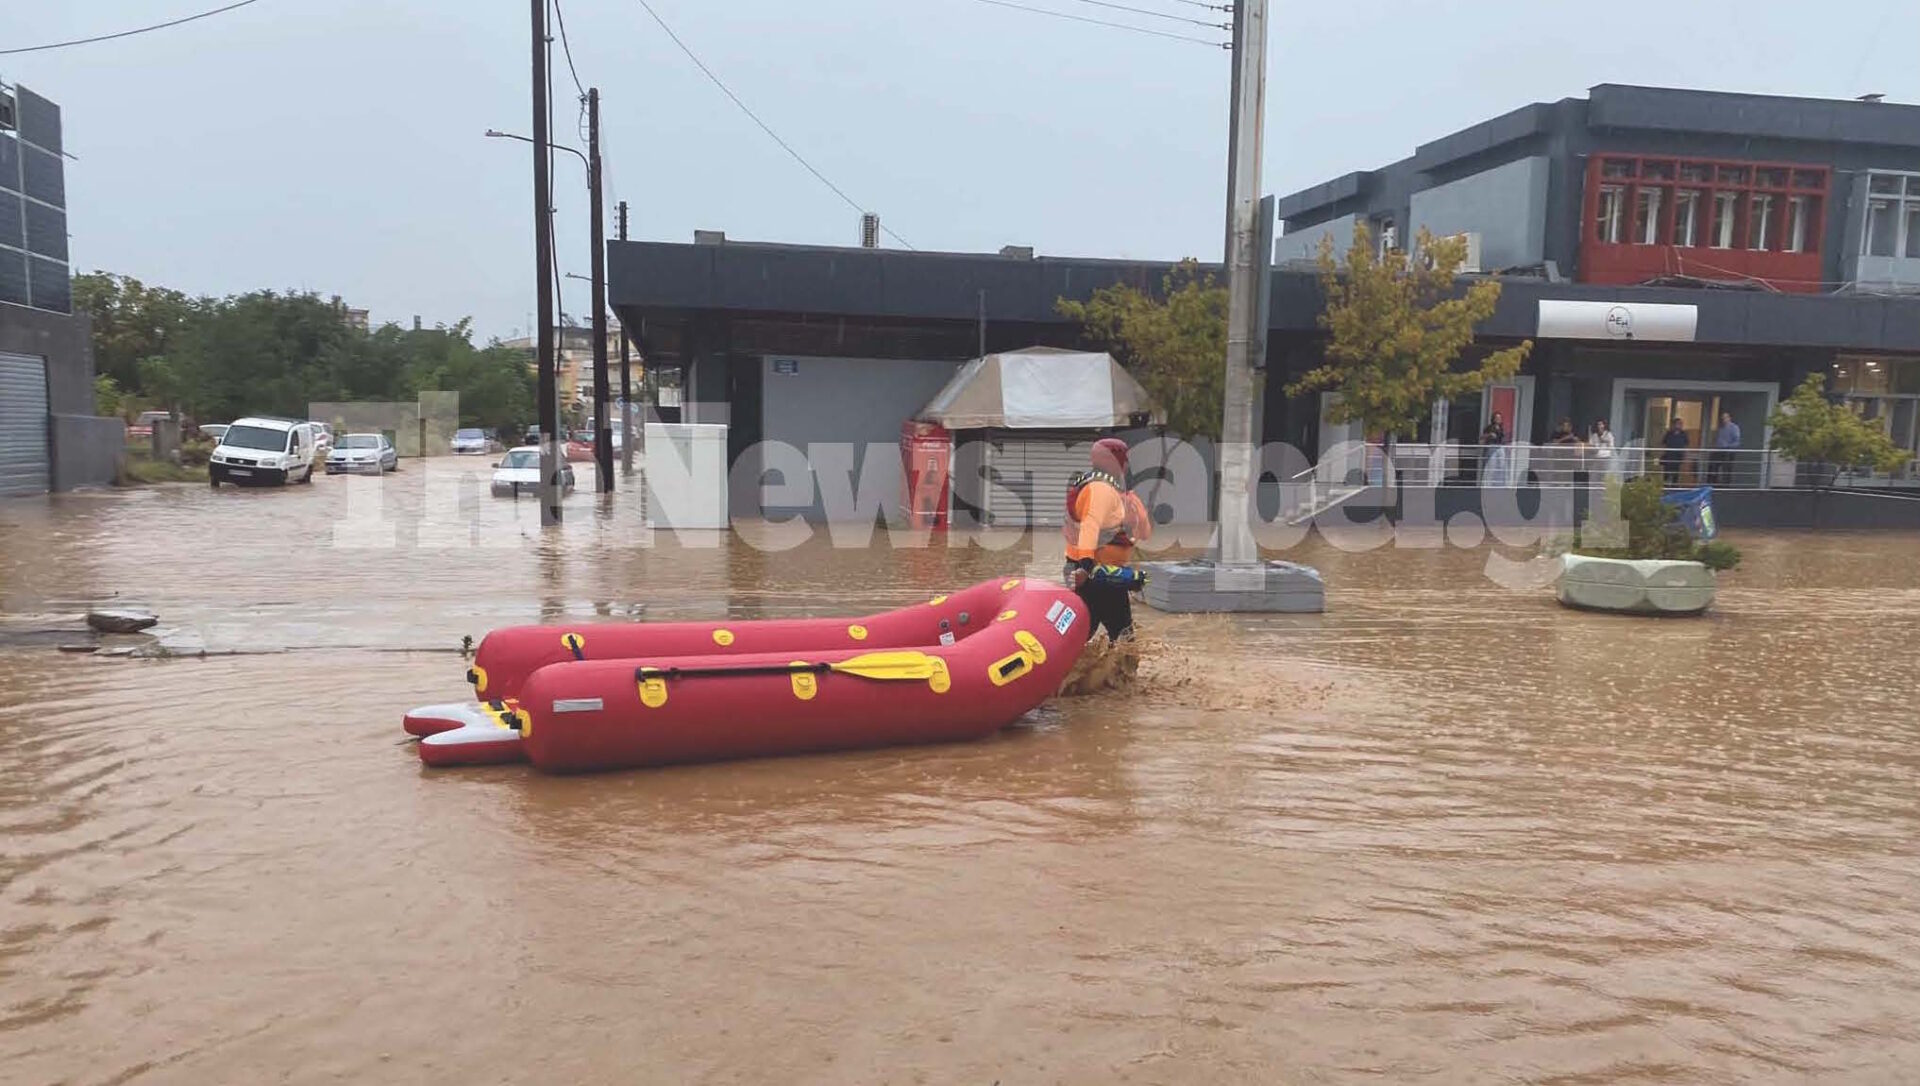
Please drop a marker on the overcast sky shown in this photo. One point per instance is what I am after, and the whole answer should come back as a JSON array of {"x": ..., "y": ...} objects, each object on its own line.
[{"x": 337, "y": 146}]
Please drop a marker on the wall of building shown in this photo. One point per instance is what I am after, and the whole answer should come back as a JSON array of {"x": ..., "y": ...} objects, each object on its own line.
[
  {"x": 861, "y": 401},
  {"x": 83, "y": 452},
  {"x": 87, "y": 450},
  {"x": 1505, "y": 205},
  {"x": 1305, "y": 243}
]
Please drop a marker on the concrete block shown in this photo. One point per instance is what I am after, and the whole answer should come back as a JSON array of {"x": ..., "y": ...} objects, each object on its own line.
[{"x": 1199, "y": 585}]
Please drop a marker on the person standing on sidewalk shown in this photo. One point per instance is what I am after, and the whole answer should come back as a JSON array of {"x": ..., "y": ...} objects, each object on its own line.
[{"x": 1726, "y": 441}]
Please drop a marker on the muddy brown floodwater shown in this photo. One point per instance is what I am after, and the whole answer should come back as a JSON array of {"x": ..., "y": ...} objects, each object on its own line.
[{"x": 1446, "y": 832}]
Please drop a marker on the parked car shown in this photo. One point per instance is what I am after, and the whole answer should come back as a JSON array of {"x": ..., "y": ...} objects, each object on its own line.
[
  {"x": 323, "y": 437},
  {"x": 263, "y": 450},
  {"x": 579, "y": 447},
  {"x": 519, "y": 473},
  {"x": 142, "y": 427},
  {"x": 469, "y": 440},
  {"x": 368, "y": 454},
  {"x": 531, "y": 437},
  {"x": 214, "y": 431}
]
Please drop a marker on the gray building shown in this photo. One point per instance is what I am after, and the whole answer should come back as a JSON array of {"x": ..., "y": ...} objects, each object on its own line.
[
  {"x": 49, "y": 437},
  {"x": 1788, "y": 228}
]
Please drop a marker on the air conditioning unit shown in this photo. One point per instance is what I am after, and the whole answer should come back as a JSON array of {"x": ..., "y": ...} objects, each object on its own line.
[{"x": 9, "y": 115}]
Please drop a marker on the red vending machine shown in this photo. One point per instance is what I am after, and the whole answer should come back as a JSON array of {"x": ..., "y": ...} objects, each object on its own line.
[{"x": 926, "y": 456}]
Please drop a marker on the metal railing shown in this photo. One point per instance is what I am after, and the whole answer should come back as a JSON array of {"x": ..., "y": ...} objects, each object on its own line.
[{"x": 1579, "y": 465}]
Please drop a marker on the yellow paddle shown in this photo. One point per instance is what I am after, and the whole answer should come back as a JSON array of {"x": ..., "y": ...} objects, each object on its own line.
[{"x": 901, "y": 665}]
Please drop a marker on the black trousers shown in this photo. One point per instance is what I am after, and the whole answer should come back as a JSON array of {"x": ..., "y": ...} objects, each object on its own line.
[
  {"x": 1108, "y": 606},
  {"x": 1671, "y": 469}
]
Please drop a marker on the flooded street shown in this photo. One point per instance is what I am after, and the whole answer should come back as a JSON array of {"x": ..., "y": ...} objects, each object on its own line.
[{"x": 1444, "y": 832}]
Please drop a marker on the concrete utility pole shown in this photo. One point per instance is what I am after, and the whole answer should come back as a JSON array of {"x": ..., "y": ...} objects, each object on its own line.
[
  {"x": 1236, "y": 579},
  {"x": 626, "y": 377},
  {"x": 602, "y": 425},
  {"x": 1237, "y": 547},
  {"x": 543, "y": 276}
]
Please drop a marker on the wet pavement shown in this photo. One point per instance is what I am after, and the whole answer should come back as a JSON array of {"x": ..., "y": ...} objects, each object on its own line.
[{"x": 1446, "y": 832}]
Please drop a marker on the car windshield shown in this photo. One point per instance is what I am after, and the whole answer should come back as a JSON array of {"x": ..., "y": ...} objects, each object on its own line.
[
  {"x": 468, "y": 435},
  {"x": 256, "y": 437},
  {"x": 361, "y": 441},
  {"x": 522, "y": 458}
]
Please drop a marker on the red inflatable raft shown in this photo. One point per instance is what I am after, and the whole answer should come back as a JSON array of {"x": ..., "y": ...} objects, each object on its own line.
[{"x": 610, "y": 696}]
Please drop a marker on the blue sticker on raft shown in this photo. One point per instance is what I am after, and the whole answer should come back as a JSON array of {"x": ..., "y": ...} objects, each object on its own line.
[{"x": 1065, "y": 621}]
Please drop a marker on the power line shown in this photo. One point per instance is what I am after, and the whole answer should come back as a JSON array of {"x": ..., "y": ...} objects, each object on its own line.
[
  {"x": 755, "y": 118},
  {"x": 1203, "y": 4},
  {"x": 124, "y": 33},
  {"x": 1158, "y": 14},
  {"x": 561, "y": 18},
  {"x": 1105, "y": 23}
]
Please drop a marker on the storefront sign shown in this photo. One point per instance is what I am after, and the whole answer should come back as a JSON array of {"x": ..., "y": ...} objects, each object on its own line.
[{"x": 1620, "y": 321}]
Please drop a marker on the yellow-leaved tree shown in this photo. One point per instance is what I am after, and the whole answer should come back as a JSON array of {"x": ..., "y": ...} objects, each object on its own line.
[
  {"x": 1397, "y": 325},
  {"x": 1174, "y": 345}
]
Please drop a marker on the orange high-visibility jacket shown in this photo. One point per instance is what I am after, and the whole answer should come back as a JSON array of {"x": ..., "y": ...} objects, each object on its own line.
[{"x": 1104, "y": 522}]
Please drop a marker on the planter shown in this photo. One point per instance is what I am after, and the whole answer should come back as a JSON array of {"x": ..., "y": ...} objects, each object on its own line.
[{"x": 1635, "y": 586}]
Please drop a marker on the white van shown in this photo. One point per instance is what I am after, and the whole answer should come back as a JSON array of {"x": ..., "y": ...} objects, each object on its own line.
[{"x": 268, "y": 451}]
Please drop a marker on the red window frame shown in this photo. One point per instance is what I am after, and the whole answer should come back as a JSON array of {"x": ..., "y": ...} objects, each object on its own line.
[{"x": 1634, "y": 260}]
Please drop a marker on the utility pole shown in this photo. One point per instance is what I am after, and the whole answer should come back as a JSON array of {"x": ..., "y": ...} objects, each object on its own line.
[
  {"x": 1237, "y": 547},
  {"x": 626, "y": 378},
  {"x": 602, "y": 425},
  {"x": 543, "y": 275}
]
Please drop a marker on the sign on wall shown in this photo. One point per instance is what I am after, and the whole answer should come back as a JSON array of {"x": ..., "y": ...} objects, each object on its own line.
[
  {"x": 786, "y": 366},
  {"x": 1618, "y": 321}
]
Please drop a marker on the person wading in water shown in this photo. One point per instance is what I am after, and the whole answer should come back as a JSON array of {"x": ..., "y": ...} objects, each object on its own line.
[{"x": 1104, "y": 521}]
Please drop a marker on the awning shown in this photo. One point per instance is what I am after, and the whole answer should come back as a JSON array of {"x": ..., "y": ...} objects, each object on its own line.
[{"x": 1041, "y": 388}]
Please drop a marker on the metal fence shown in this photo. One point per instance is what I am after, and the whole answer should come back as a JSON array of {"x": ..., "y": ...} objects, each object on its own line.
[{"x": 1578, "y": 465}]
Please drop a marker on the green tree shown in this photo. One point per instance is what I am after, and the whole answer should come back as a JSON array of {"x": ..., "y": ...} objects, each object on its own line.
[
  {"x": 1397, "y": 325},
  {"x": 108, "y": 400},
  {"x": 163, "y": 382},
  {"x": 1175, "y": 345},
  {"x": 131, "y": 321},
  {"x": 1832, "y": 436}
]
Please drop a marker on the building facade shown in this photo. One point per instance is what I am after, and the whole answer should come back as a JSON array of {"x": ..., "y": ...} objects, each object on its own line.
[
  {"x": 49, "y": 437},
  {"x": 1789, "y": 226}
]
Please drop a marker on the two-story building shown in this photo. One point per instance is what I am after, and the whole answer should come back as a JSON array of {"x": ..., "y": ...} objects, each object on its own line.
[
  {"x": 1681, "y": 253},
  {"x": 49, "y": 437}
]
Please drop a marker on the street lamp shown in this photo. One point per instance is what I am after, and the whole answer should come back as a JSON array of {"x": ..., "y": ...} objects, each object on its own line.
[{"x": 602, "y": 434}]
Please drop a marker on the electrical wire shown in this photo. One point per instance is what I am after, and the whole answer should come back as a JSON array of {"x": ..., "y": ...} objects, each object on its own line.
[
  {"x": 764, "y": 127},
  {"x": 125, "y": 33},
  {"x": 1103, "y": 22},
  {"x": 1228, "y": 8},
  {"x": 1157, "y": 14},
  {"x": 561, "y": 18}
]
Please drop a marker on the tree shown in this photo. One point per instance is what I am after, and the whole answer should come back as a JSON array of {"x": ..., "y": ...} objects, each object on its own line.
[
  {"x": 1396, "y": 326},
  {"x": 108, "y": 400},
  {"x": 131, "y": 321},
  {"x": 1810, "y": 427},
  {"x": 1173, "y": 345},
  {"x": 1655, "y": 530}
]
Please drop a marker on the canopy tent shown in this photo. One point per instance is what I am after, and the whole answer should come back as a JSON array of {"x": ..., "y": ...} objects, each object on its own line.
[{"x": 1042, "y": 388}]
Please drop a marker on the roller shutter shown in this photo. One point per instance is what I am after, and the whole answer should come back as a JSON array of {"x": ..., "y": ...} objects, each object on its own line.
[{"x": 24, "y": 463}]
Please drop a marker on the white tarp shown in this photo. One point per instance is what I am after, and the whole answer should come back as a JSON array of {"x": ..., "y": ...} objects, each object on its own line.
[{"x": 1040, "y": 388}]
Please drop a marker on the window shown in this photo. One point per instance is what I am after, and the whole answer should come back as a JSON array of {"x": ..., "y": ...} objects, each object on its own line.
[
  {"x": 1760, "y": 224},
  {"x": 1686, "y": 213},
  {"x": 1646, "y": 218},
  {"x": 1616, "y": 168},
  {"x": 1613, "y": 214},
  {"x": 1893, "y": 216},
  {"x": 1725, "y": 205},
  {"x": 1799, "y": 212},
  {"x": 1883, "y": 227}
]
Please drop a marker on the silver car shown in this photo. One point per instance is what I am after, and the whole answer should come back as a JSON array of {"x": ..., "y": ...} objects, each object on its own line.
[{"x": 363, "y": 453}]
